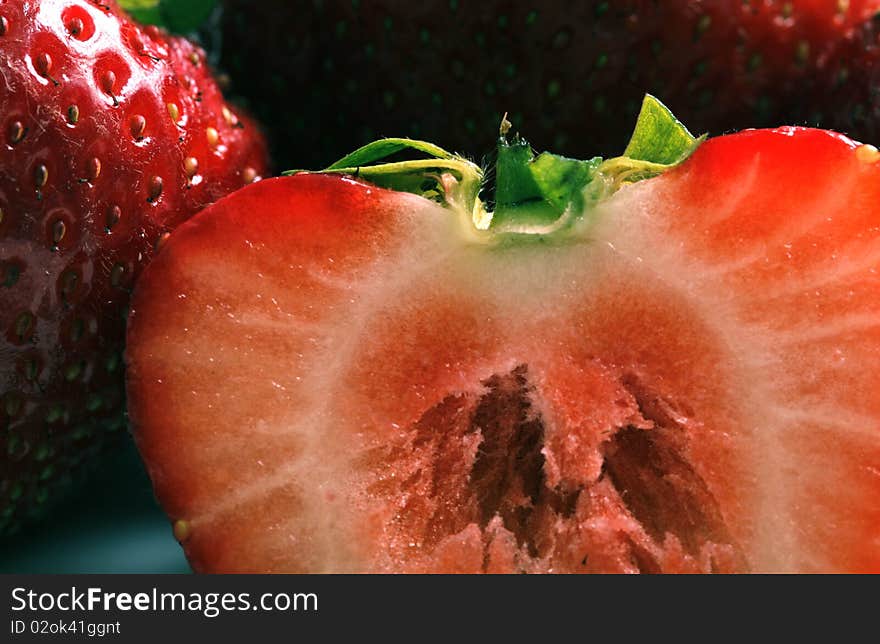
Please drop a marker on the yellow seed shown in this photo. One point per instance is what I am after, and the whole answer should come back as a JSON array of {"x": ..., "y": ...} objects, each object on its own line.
[
  {"x": 249, "y": 174},
  {"x": 867, "y": 154},
  {"x": 75, "y": 26},
  {"x": 41, "y": 175},
  {"x": 114, "y": 214},
  {"x": 173, "y": 111},
  {"x": 93, "y": 168},
  {"x": 138, "y": 124},
  {"x": 161, "y": 240},
  {"x": 181, "y": 530},
  {"x": 108, "y": 86},
  {"x": 58, "y": 231},
  {"x": 16, "y": 132},
  {"x": 228, "y": 116},
  {"x": 154, "y": 189},
  {"x": 44, "y": 64},
  {"x": 190, "y": 166},
  {"x": 213, "y": 136}
]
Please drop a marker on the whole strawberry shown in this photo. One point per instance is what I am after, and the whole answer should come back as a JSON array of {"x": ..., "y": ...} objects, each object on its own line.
[{"x": 111, "y": 135}]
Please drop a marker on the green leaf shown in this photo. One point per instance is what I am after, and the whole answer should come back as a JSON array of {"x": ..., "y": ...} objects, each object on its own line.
[
  {"x": 384, "y": 148},
  {"x": 537, "y": 190},
  {"x": 180, "y": 16},
  {"x": 144, "y": 11},
  {"x": 562, "y": 180},
  {"x": 443, "y": 176},
  {"x": 659, "y": 137},
  {"x": 544, "y": 194},
  {"x": 514, "y": 182}
]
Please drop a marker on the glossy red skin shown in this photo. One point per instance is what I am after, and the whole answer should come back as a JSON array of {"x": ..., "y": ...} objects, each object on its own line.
[
  {"x": 571, "y": 75},
  {"x": 782, "y": 223},
  {"x": 93, "y": 173}
]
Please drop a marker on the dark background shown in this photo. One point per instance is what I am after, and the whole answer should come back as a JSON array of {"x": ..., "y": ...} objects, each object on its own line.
[{"x": 111, "y": 524}]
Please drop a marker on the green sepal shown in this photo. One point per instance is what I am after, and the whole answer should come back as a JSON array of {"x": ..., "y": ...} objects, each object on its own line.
[
  {"x": 515, "y": 184},
  {"x": 179, "y": 16},
  {"x": 442, "y": 176},
  {"x": 383, "y": 148},
  {"x": 542, "y": 194},
  {"x": 537, "y": 189},
  {"x": 560, "y": 178},
  {"x": 658, "y": 136}
]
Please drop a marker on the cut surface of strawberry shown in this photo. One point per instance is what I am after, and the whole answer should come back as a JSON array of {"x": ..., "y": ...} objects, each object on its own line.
[{"x": 681, "y": 376}]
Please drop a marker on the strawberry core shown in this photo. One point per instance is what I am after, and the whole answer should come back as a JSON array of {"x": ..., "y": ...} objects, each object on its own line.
[{"x": 474, "y": 493}]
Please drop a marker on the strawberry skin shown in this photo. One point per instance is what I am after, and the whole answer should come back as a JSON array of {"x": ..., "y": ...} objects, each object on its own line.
[
  {"x": 329, "y": 376},
  {"x": 111, "y": 135},
  {"x": 572, "y": 74}
]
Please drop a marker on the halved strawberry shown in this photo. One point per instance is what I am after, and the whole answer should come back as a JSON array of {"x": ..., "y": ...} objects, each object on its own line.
[{"x": 677, "y": 374}]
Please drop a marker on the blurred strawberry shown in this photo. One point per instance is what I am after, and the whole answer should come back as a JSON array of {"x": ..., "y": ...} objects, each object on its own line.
[
  {"x": 329, "y": 75},
  {"x": 850, "y": 93}
]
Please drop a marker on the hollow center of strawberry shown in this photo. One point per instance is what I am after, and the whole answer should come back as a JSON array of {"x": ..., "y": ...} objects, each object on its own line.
[{"x": 472, "y": 479}]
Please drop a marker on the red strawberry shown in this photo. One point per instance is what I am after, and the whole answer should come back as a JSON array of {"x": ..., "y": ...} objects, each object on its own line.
[
  {"x": 679, "y": 375},
  {"x": 571, "y": 73},
  {"x": 112, "y": 135}
]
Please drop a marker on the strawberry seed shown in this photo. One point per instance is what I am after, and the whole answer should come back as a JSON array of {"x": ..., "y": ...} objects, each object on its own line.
[
  {"x": 114, "y": 214},
  {"x": 59, "y": 228},
  {"x": 44, "y": 67},
  {"x": 75, "y": 26},
  {"x": 213, "y": 136},
  {"x": 108, "y": 84},
  {"x": 154, "y": 190},
  {"x": 93, "y": 169},
  {"x": 138, "y": 124},
  {"x": 16, "y": 132}
]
